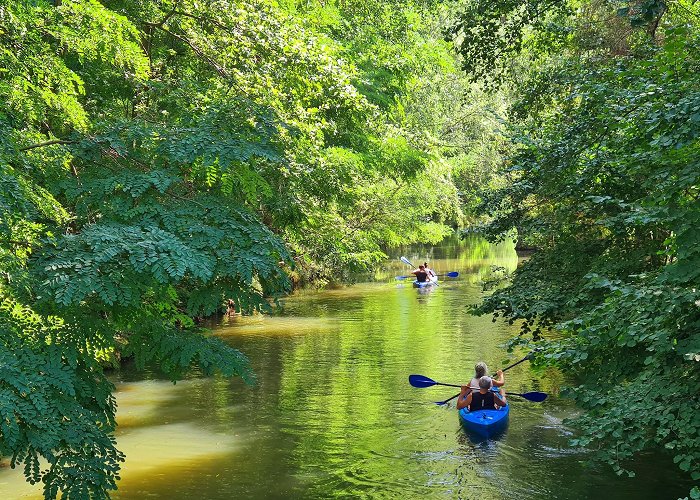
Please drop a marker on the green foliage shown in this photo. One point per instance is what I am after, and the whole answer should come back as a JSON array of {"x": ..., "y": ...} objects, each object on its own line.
[
  {"x": 370, "y": 171},
  {"x": 489, "y": 34},
  {"x": 160, "y": 158},
  {"x": 604, "y": 179},
  {"x": 55, "y": 404}
]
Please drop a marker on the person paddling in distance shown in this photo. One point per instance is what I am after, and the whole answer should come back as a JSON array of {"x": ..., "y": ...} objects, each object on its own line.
[
  {"x": 431, "y": 273},
  {"x": 483, "y": 399},
  {"x": 421, "y": 274},
  {"x": 480, "y": 370}
]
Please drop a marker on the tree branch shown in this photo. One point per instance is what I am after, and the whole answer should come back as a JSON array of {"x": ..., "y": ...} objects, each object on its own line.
[
  {"x": 16, "y": 242},
  {"x": 202, "y": 19},
  {"x": 221, "y": 71},
  {"x": 46, "y": 143}
]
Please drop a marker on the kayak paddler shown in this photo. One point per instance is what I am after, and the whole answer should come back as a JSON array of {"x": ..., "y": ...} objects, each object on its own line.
[
  {"x": 480, "y": 370},
  {"x": 483, "y": 399},
  {"x": 431, "y": 273},
  {"x": 421, "y": 274}
]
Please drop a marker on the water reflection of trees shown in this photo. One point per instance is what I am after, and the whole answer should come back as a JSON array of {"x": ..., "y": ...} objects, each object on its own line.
[{"x": 332, "y": 412}]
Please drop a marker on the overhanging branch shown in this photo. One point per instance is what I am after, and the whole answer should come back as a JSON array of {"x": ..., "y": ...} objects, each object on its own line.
[{"x": 46, "y": 143}]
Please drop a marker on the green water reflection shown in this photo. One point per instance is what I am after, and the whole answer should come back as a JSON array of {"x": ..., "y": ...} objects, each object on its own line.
[{"x": 332, "y": 414}]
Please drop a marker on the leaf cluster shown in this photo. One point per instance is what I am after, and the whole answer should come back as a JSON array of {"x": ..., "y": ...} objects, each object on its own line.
[{"x": 604, "y": 182}]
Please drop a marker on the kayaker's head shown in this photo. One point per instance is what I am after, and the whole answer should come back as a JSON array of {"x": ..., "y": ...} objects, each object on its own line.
[
  {"x": 421, "y": 267},
  {"x": 485, "y": 383},
  {"x": 425, "y": 264},
  {"x": 480, "y": 369}
]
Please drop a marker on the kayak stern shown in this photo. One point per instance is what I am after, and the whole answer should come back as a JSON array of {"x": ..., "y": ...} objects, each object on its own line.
[
  {"x": 486, "y": 423},
  {"x": 423, "y": 284}
]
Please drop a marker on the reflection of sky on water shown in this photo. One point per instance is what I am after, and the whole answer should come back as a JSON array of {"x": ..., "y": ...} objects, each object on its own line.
[
  {"x": 151, "y": 443},
  {"x": 138, "y": 403}
]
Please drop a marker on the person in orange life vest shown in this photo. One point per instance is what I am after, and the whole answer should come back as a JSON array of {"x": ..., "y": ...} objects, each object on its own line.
[{"x": 483, "y": 399}]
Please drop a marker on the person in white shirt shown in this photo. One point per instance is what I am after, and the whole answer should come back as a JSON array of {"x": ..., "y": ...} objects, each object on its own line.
[{"x": 480, "y": 370}]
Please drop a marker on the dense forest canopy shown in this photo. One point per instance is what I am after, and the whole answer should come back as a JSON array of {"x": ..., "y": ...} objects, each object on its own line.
[
  {"x": 158, "y": 158},
  {"x": 604, "y": 180}
]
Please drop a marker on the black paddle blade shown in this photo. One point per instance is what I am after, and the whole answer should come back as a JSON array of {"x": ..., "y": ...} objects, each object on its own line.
[{"x": 420, "y": 381}]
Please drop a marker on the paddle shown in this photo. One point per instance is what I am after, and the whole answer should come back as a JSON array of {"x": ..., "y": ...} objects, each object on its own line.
[
  {"x": 451, "y": 274},
  {"x": 440, "y": 403},
  {"x": 536, "y": 397},
  {"x": 423, "y": 381}
]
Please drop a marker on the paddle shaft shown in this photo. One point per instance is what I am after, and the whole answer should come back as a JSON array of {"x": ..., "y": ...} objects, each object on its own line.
[
  {"x": 472, "y": 388},
  {"x": 408, "y": 262},
  {"x": 524, "y": 396},
  {"x": 505, "y": 369},
  {"x": 516, "y": 364},
  {"x": 447, "y": 400},
  {"x": 448, "y": 385}
]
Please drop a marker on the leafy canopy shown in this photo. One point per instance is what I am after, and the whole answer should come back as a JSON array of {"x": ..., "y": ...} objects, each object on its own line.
[
  {"x": 603, "y": 179},
  {"x": 160, "y": 158}
]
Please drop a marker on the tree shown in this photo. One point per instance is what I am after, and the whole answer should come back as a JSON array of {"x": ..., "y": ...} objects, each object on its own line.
[
  {"x": 159, "y": 158},
  {"x": 604, "y": 181}
]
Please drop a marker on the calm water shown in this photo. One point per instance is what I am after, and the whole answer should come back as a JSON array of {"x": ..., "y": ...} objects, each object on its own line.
[{"x": 332, "y": 414}]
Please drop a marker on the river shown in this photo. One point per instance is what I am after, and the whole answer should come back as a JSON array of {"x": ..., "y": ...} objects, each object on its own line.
[{"x": 333, "y": 416}]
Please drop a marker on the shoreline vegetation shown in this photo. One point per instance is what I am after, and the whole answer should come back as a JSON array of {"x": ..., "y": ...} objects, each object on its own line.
[{"x": 158, "y": 159}]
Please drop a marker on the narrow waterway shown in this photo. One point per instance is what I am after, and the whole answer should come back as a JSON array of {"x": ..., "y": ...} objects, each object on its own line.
[{"x": 333, "y": 416}]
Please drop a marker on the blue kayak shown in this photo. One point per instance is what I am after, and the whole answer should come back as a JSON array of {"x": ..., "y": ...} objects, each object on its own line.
[
  {"x": 486, "y": 423},
  {"x": 423, "y": 284}
]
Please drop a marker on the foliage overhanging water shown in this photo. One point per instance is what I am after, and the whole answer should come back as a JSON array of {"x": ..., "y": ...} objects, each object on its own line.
[{"x": 332, "y": 414}]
